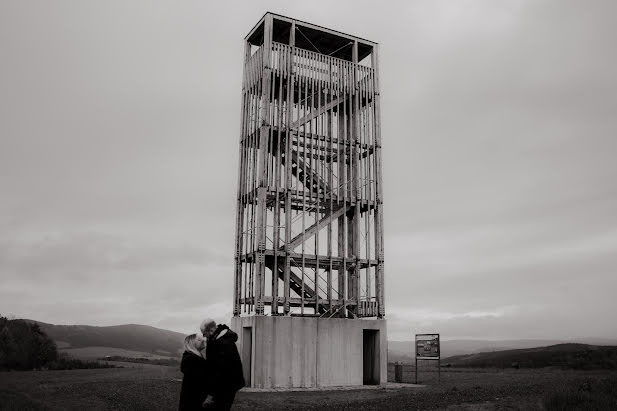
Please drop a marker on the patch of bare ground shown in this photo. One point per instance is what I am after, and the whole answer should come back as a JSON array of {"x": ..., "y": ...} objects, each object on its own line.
[{"x": 158, "y": 388}]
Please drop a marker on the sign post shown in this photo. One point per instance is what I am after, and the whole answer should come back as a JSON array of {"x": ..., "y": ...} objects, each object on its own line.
[{"x": 428, "y": 348}]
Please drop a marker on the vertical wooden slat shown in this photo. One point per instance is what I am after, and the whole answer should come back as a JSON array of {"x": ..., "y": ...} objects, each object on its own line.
[
  {"x": 346, "y": 183},
  {"x": 264, "y": 136},
  {"x": 341, "y": 229},
  {"x": 367, "y": 228},
  {"x": 288, "y": 165},
  {"x": 356, "y": 175},
  {"x": 304, "y": 173},
  {"x": 243, "y": 164},
  {"x": 271, "y": 116},
  {"x": 317, "y": 162},
  {"x": 378, "y": 194},
  {"x": 277, "y": 182},
  {"x": 330, "y": 166},
  {"x": 239, "y": 205},
  {"x": 251, "y": 175}
]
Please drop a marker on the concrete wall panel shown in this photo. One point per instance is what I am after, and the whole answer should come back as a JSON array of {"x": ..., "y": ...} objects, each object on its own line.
[{"x": 307, "y": 351}]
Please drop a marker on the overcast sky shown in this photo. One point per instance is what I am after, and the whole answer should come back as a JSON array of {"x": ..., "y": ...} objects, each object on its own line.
[{"x": 119, "y": 130}]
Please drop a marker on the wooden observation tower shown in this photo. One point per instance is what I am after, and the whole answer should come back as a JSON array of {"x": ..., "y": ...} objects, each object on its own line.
[
  {"x": 309, "y": 238},
  {"x": 309, "y": 225}
]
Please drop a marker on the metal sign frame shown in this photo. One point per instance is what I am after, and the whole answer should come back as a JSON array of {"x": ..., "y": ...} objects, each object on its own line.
[{"x": 434, "y": 353}]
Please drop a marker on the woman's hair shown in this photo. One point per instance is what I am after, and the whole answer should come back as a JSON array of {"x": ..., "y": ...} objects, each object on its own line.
[{"x": 190, "y": 344}]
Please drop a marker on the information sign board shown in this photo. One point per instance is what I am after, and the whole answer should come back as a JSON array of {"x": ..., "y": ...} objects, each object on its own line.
[{"x": 427, "y": 346}]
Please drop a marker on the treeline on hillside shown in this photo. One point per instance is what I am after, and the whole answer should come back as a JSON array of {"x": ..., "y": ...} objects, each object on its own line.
[
  {"x": 24, "y": 346},
  {"x": 568, "y": 356}
]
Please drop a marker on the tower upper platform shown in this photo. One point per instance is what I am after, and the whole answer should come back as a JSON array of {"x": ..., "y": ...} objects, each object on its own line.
[{"x": 311, "y": 37}]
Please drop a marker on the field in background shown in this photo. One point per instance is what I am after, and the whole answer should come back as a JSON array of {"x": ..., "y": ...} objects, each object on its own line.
[
  {"x": 152, "y": 387},
  {"x": 93, "y": 353}
]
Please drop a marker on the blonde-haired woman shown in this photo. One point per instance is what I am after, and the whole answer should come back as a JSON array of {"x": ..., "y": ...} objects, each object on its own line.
[{"x": 196, "y": 381}]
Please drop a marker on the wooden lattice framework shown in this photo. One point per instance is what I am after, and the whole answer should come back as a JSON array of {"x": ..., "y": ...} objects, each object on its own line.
[{"x": 309, "y": 228}]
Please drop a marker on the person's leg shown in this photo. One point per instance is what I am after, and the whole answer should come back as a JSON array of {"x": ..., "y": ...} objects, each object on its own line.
[{"x": 225, "y": 401}]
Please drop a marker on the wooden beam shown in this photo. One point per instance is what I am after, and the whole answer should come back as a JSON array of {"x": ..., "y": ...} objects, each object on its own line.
[
  {"x": 255, "y": 27},
  {"x": 297, "y": 240},
  {"x": 295, "y": 283},
  {"x": 313, "y": 183},
  {"x": 296, "y": 302},
  {"x": 316, "y": 113}
]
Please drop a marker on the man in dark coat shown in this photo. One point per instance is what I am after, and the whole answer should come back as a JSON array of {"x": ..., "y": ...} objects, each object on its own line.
[{"x": 221, "y": 350}]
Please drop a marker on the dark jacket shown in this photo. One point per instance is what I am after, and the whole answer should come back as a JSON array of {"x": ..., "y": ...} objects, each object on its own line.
[
  {"x": 196, "y": 382},
  {"x": 225, "y": 360}
]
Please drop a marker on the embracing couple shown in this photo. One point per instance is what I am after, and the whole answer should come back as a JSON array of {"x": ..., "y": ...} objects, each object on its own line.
[{"x": 212, "y": 368}]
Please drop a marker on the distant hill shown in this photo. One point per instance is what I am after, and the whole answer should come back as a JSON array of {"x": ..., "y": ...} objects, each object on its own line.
[
  {"x": 131, "y": 337},
  {"x": 134, "y": 340},
  {"x": 404, "y": 350},
  {"x": 573, "y": 356}
]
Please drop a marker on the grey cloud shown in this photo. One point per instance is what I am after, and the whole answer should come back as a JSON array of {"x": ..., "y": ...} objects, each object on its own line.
[
  {"x": 562, "y": 286},
  {"x": 538, "y": 322},
  {"x": 92, "y": 251}
]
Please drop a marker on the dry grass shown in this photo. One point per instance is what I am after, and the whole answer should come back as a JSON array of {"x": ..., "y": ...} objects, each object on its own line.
[
  {"x": 590, "y": 394},
  {"x": 154, "y": 388}
]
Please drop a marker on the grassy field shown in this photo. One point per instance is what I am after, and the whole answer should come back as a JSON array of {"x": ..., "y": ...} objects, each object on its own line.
[
  {"x": 150, "y": 387},
  {"x": 92, "y": 353}
]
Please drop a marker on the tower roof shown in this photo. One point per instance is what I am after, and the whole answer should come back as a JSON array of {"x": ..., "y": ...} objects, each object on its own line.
[{"x": 311, "y": 37}]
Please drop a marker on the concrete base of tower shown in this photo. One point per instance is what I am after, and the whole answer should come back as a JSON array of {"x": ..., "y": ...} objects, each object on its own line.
[{"x": 304, "y": 352}]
